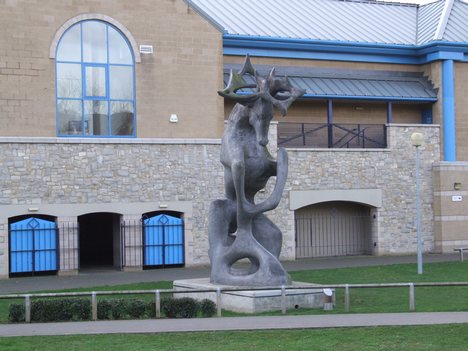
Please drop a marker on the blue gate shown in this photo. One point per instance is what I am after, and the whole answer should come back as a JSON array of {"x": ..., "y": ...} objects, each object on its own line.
[
  {"x": 33, "y": 246},
  {"x": 163, "y": 241}
]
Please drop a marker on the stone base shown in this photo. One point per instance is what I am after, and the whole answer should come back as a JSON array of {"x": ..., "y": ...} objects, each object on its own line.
[{"x": 253, "y": 301}]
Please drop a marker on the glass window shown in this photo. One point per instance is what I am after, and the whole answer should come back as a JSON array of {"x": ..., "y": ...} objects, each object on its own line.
[
  {"x": 121, "y": 83},
  {"x": 95, "y": 82},
  {"x": 119, "y": 52},
  {"x": 94, "y": 42},
  {"x": 69, "y": 80},
  {"x": 70, "y": 45},
  {"x": 122, "y": 118}
]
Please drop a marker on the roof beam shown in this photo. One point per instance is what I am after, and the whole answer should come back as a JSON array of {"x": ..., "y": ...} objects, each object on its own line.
[{"x": 439, "y": 34}]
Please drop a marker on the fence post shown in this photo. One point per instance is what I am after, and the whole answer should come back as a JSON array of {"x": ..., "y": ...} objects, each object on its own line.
[
  {"x": 27, "y": 308},
  {"x": 93, "y": 306},
  {"x": 283, "y": 299},
  {"x": 346, "y": 299},
  {"x": 218, "y": 302},
  {"x": 412, "y": 306},
  {"x": 158, "y": 304}
]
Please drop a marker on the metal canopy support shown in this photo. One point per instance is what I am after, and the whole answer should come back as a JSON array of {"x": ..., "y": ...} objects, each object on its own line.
[
  {"x": 330, "y": 122},
  {"x": 389, "y": 112}
]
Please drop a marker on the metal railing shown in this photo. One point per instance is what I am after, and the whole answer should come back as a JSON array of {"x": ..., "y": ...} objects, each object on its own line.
[
  {"x": 280, "y": 289},
  {"x": 315, "y": 135}
]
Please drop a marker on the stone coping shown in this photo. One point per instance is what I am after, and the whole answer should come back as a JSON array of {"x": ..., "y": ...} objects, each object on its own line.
[{"x": 72, "y": 140}]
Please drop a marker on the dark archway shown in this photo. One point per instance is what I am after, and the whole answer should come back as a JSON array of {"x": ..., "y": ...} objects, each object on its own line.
[{"x": 99, "y": 240}]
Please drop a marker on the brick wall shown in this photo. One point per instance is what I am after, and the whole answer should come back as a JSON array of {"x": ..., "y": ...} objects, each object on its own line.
[{"x": 182, "y": 76}]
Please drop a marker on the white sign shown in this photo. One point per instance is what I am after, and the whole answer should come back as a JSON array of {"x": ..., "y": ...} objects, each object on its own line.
[{"x": 457, "y": 198}]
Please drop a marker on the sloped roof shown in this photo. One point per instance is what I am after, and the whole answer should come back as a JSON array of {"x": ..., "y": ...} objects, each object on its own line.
[
  {"x": 351, "y": 84},
  {"x": 340, "y": 20}
]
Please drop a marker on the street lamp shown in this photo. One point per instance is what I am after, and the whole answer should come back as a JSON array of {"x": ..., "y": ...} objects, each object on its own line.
[{"x": 417, "y": 140}]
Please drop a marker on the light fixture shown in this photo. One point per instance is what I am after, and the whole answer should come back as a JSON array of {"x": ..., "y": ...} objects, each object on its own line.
[
  {"x": 457, "y": 186},
  {"x": 417, "y": 139},
  {"x": 173, "y": 118}
]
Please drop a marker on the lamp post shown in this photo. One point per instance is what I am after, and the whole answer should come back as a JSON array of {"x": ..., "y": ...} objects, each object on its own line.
[{"x": 417, "y": 140}]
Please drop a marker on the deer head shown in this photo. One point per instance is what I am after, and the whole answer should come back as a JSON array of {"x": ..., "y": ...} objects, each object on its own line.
[{"x": 269, "y": 92}]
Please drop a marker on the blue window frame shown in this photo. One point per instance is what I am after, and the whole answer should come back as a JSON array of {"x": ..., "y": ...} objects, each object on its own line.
[{"x": 95, "y": 82}]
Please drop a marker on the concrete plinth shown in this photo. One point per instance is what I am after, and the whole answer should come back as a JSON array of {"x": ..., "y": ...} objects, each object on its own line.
[{"x": 253, "y": 301}]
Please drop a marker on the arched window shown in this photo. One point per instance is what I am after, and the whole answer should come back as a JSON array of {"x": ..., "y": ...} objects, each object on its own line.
[{"x": 95, "y": 75}]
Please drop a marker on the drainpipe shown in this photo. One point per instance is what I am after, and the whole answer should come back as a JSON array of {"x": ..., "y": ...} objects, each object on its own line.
[{"x": 448, "y": 108}]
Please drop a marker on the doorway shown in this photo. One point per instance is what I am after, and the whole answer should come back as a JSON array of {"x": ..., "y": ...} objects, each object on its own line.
[{"x": 100, "y": 241}]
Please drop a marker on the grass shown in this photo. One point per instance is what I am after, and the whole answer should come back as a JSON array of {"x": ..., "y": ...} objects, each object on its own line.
[
  {"x": 362, "y": 300},
  {"x": 414, "y": 338}
]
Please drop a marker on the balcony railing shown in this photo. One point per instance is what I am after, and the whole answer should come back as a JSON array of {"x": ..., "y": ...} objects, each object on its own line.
[{"x": 314, "y": 135}]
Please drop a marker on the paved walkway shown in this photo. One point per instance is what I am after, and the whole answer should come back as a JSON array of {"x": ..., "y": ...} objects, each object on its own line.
[
  {"x": 233, "y": 323},
  {"x": 113, "y": 277}
]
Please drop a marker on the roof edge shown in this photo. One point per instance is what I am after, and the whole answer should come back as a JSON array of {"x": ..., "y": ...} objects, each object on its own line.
[{"x": 204, "y": 15}]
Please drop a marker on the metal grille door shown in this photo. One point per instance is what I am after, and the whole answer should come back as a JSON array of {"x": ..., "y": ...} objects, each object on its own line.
[
  {"x": 33, "y": 246},
  {"x": 333, "y": 230},
  {"x": 163, "y": 241}
]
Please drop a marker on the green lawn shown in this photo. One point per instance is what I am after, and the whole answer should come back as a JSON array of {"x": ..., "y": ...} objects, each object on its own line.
[
  {"x": 417, "y": 338},
  {"x": 362, "y": 300}
]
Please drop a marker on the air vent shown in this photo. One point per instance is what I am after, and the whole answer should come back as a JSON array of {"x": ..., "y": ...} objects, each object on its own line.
[{"x": 146, "y": 49}]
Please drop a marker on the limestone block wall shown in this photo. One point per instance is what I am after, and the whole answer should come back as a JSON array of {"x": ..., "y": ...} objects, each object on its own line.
[
  {"x": 391, "y": 170},
  {"x": 67, "y": 178}
]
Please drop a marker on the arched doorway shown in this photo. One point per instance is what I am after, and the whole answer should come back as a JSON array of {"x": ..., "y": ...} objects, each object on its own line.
[
  {"x": 100, "y": 240},
  {"x": 335, "y": 228}
]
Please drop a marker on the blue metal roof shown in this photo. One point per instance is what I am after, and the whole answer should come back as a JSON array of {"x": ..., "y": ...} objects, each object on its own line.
[
  {"x": 340, "y": 20},
  {"x": 351, "y": 84}
]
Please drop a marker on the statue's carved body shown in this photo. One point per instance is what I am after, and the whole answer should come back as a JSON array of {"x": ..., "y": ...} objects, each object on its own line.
[{"x": 238, "y": 229}]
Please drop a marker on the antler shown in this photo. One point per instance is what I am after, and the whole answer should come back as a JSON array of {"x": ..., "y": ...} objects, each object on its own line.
[{"x": 237, "y": 82}]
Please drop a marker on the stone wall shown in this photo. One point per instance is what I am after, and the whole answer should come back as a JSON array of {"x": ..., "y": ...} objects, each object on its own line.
[
  {"x": 70, "y": 177},
  {"x": 392, "y": 170}
]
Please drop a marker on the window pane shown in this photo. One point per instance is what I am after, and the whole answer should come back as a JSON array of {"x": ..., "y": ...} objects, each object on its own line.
[
  {"x": 96, "y": 122},
  {"x": 69, "y": 48},
  {"x": 121, "y": 118},
  {"x": 69, "y": 117},
  {"x": 119, "y": 52},
  {"x": 94, "y": 42},
  {"x": 95, "y": 81},
  {"x": 121, "y": 82},
  {"x": 69, "y": 80}
]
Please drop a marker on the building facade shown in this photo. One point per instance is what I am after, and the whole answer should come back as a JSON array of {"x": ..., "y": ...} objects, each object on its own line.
[{"x": 109, "y": 146}]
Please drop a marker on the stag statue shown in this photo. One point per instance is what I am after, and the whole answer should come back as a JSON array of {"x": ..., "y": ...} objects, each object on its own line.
[{"x": 237, "y": 227}]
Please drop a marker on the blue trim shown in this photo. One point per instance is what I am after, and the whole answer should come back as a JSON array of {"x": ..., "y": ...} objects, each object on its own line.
[
  {"x": 448, "y": 108},
  {"x": 107, "y": 65},
  {"x": 343, "y": 51}
]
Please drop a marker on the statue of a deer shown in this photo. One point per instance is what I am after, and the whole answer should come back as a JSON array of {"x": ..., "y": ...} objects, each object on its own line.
[{"x": 238, "y": 229}]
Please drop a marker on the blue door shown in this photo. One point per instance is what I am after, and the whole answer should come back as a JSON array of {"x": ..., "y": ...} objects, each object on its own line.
[
  {"x": 33, "y": 246},
  {"x": 163, "y": 237}
]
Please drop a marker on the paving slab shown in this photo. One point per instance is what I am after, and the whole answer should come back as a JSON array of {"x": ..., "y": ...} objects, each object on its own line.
[{"x": 234, "y": 323}]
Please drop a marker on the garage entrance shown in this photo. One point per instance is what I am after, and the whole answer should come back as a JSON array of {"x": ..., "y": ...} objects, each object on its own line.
[
  {"x": 335, "y": 228},
  {"x": 99, "y": 240}
]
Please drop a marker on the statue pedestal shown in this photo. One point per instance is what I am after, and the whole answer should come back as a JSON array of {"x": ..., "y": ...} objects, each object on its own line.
[{"x": 253, "y": 301}]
